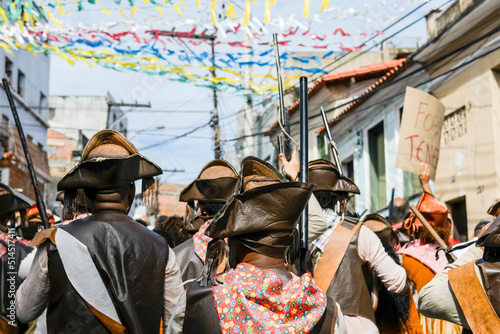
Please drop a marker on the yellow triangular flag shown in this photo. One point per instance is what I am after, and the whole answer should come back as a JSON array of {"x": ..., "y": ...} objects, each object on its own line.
[
  {"x": 178, "y": 10},
  {"x": 105, "y": 11},
  {"x": 122, "y": 12},
  {"x": 248, "y": 9},
  {"x": 230, "y": 11},
  {"x": 133, "y": 11},
  {"x": 306, "y": 8},
  {"x": 267, "y": 15},
  {"x": 325, "y": 4},
  {"x": 158, "y": 8},
  {"x": 212, "y": 11}
]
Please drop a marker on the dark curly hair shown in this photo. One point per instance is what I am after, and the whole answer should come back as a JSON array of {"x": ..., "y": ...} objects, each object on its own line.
[{"x": 327, "y": 199}]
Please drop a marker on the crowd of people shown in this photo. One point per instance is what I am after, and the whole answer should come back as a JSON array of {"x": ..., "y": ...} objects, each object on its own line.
[{"x": 233, "y": 263}]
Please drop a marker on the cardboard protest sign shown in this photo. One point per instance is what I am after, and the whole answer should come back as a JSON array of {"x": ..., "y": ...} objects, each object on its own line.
[{"x": 420, "y": 133}]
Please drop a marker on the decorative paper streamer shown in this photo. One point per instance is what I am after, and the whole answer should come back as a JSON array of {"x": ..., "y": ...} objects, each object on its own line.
[
  {"x": 178, "y": 10},
  {"x": 325, "y": 4},
  {"x": 267, "y": 16},
  {"x": 306, "y": 8},
  {"x": 230, "y": 12},
  {"x": 248, "y": 9}
]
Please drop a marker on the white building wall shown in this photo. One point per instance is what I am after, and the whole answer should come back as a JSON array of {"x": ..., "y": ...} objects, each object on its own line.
[{"x": 33, "y": 111}]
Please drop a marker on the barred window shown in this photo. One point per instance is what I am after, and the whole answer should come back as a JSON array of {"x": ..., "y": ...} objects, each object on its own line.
[{"x": 454, "y": 125}]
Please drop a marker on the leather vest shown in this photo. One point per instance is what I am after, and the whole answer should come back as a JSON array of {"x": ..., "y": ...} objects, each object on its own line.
[
  {"x": 349, "y": 288},
  {"x": 202, "y": 318},
  {"x": 131, "y": 261},
  {"x": 189, "y": 263},
  {"x": 491, "y": 277}
]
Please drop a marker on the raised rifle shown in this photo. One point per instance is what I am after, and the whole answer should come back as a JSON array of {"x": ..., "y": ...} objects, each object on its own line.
[
  {"x": 333, "y": 146},
  {"x": 284, "y": 140},
  {"x": 304, "y": 177},
  {"x": 38, "y": 195}
]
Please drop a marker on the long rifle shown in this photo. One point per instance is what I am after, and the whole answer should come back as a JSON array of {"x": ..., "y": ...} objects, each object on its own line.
[
  {"x": 333, "y": 147},
  {"x": 284, "y": 140},
  {"x": 433, "y": 233},
  {"x": 304, "y": 177},
  {"x": 38, "y": 195}
]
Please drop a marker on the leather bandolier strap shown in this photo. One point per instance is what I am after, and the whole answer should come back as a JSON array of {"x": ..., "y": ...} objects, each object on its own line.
[
  {"x": 333, "y": 254},
  {"x": 477, "y": 308}
]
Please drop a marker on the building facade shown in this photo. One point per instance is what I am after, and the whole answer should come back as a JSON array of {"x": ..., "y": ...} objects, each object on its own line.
[
  {"x": 460, "y": 66},
  {"x": 28, "y": 77}
]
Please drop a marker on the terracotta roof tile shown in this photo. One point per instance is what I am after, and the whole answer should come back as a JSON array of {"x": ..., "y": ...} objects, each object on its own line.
[
  {"x": 389, "y": 66},
  {"x": 368, "y": 92}
]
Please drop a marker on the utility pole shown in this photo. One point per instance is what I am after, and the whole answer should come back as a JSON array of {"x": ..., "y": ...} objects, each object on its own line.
[
  {"x": 110, "y": 124},
  {"x": 245, "y": 146},
  {"x": 215, "y": 112}
]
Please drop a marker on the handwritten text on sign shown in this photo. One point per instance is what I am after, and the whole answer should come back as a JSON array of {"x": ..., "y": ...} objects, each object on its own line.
[{"x": 420, "y": 134}]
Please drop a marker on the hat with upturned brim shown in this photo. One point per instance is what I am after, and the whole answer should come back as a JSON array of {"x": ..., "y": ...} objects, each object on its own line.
[
  {"x": 10, "y": 202},
  {"x": 109, "y": 161},
  {"x": 494, "y": 209},
  {"x": 326, "y": 176},
  {"x": 490, "y": 237},
  {"x": 215, "y": 183},
  {"x": 433, "y": 211},
  {"x": 264, "y": 211},
  {"x": 381, "y": 228}
]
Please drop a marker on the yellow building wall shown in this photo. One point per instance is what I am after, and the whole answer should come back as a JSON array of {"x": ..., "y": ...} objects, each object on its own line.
[{"x": 469, "y": 165}]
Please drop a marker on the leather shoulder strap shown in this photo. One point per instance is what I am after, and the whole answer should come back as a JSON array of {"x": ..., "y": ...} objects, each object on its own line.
[
  {"x": 333, "y": 254},
  {"x": 472, "y": 299},
  {"x": 40, "y": 237}
]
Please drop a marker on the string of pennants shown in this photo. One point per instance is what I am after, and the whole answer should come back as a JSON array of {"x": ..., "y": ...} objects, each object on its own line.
[{"x": 167, "y": 47}]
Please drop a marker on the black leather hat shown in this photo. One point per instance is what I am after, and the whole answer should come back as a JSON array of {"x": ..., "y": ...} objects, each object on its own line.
[{"x": 10, "y": 201}]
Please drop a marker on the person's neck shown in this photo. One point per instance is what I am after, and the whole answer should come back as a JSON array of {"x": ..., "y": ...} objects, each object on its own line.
[
  {"x": 110, "y": 206},
  {"x": 263, "y": 261}
]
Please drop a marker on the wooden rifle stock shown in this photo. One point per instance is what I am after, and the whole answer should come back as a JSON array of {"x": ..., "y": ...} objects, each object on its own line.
[{"x": 432, "y": 232}]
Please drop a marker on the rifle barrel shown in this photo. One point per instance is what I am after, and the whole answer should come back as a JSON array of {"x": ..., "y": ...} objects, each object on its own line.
[
  {"x": 38, "y": 195},
  {"x": 304, "y": 158},
  {"x": 333, "y": 147}
]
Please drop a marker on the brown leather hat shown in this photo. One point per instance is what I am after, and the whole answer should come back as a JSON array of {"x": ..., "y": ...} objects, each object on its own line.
[
  {"x": 109, "y": 160},
  {"x": 264, "y": 211},
  {"x": 381, "y": 228},
  {"x": 11, "y": 201},
  {"x": 491, "y": 237},
  {"x": 326, "y": 176},
  {"x": 494, "y": 209},
  {"x": 215, "y": 183}
]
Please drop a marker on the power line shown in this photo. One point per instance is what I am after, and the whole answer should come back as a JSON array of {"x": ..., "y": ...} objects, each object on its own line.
[{"x": 384, "y": 100}]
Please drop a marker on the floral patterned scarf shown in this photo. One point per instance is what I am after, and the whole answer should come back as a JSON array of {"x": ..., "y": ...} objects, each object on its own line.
[
  {"x": 201, "y": 241},
  {"x": 255, "y": 300}
]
